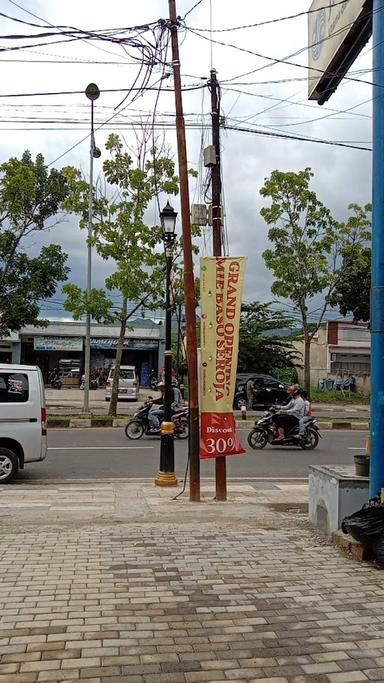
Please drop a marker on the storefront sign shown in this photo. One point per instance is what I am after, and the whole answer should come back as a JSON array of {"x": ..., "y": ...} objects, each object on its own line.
[
  {"x": 135, "y": 344},
  {"x": 57, "y": 343},
  {"x": 337, "y": 32},
  {"x": 221, "y": 283}
]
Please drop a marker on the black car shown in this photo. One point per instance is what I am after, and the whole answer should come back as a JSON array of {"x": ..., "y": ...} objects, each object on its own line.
[{"x": 267, "y": 392}]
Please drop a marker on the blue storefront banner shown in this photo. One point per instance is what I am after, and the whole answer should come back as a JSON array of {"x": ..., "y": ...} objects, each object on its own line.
[{"x": 134, "y": 344}]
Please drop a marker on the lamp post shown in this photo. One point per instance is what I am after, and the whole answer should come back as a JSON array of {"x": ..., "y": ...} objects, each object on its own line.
[
  {"x": 166, "y": 475},
  {"x": 92, "y": 92}
]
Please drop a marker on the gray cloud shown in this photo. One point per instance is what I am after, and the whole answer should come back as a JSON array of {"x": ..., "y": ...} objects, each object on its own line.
[{"x": 341, "y": 175}]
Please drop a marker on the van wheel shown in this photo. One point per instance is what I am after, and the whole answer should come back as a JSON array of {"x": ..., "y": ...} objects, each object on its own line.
[{"x": 8, "y": 465}]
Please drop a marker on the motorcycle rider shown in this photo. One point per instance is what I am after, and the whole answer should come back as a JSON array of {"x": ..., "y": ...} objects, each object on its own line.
[
  {"x": 307, "y": 415},
  {"x": 156, "y": 415},
  {"x": 290, "y": 414}
]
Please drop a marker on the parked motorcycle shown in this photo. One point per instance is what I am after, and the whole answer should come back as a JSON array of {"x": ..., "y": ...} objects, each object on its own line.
[
  {"x": 93, "y": 383},
  {"x": 264, "y": 432},
  {"x": 140, "y": 424},
  {"x": 54, "y": 381}
]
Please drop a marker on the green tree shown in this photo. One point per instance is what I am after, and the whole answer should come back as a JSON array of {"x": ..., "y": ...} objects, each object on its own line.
[
  {"x": 29, "y": 196},
  {"x": 262, "y": 348},
  {"x": 120, "y": 234},
  {"x": 310, "y": 249},
  {"x": 353, "y": 291}
]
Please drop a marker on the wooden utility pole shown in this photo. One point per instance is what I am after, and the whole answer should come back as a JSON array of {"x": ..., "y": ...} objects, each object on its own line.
[
  {"x": 220, "y": 463},
  {"x": 189, "y": 281}
]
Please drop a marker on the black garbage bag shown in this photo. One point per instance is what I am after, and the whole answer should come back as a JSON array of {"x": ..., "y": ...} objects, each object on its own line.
[
  {"x": 367, "y": 526},
  {"x": 378, "y": 549}
]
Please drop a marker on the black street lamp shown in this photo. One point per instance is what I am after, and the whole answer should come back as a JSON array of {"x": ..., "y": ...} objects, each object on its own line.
[
  {"x": 93, "y": 93},
  {"x": 166, "y": 475}
]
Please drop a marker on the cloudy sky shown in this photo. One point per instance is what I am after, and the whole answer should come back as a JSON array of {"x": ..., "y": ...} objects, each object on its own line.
[{"x": 271, "y": 97}]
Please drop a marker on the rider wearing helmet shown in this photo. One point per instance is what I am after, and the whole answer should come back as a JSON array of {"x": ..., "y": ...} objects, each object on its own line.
[
  {"x": 156, "y": 415},
  {"x": 289, "y": 414}
]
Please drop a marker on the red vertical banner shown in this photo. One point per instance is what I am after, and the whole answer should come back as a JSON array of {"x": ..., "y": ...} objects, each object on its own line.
[{"x": 221, "y": 285}]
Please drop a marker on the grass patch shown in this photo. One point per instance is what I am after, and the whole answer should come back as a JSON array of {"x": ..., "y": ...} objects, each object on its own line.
[{"x": 318, "y": 396}]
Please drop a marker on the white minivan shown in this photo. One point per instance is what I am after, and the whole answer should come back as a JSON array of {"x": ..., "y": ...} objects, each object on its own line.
[
  {"x": 128, "y": 384},
  {"x": 23, "y": 420}
]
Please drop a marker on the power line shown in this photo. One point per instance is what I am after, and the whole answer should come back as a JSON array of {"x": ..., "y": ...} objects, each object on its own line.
[
  {"x": 293, "y": 102},
  {"x": 105, "y": 90},
  {"x": 192, "y": 8},
  {"x": 268, "y": 21},
  {"x": 276, "y": 60},
  {"x": 286, "y": 136}
]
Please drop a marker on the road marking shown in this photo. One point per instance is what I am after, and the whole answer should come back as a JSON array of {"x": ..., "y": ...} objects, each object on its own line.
[
  {"x": 356, "y": 448},
  {"x": 99, "y": 448}
]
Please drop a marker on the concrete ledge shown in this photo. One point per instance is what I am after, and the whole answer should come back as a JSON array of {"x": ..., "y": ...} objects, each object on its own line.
[
  {"x": 80, "y": 422},
  {"x": 341, "y": 425},
  {"x": 120, "y": 422},
  {"x": 362, "y": 426},
  {"x": 52, "y": 423},
  {"x": 351, "y": 547},
  {"x": 95, "y": 422}
]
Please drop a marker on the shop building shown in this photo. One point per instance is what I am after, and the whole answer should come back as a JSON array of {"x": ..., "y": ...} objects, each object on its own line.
[
  {"x": 340, "y": 348},
  {"x": 61, "y": 344}
]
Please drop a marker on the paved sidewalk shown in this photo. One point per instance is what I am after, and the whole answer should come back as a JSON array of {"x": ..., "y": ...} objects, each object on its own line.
[{"x": 117, "y": 582}]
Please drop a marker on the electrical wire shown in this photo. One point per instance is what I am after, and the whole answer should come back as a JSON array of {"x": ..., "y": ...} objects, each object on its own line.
[
  {"x": 276, "y": 60},
  {"x": 192, "y": 8},
  {"x": 105, "y": 90},
  {"x": 285, "y": 136},
  {"x": 269, "y": 21}
]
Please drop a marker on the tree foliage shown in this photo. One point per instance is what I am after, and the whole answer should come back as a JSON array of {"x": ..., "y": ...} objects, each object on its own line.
[
  {"x": 353, "y": 291},
  {"x": 29, "y": 196},
  {"x": 310, "y": 249},
  {"x": 122, "y": 235},
  {"x": 262, "y": 348}
]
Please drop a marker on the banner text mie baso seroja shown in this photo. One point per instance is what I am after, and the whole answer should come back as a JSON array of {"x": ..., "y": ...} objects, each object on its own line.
[{"x": 221, "y": 293}]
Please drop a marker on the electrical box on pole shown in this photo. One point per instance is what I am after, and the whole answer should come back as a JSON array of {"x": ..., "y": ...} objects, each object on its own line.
[
  {"x": 210, "y": 157},
  {"x": 199, "y": 214}
]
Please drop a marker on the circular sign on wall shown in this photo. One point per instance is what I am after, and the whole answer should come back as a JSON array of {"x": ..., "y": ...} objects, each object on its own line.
[{"x": 318, "y": 34}]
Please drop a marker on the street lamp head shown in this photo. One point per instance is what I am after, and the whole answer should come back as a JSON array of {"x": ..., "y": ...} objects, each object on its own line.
[
  {"x": 92, "y": 91},
  {"x": 168, "y": 221},
  {"x": 96, "y": 153}
]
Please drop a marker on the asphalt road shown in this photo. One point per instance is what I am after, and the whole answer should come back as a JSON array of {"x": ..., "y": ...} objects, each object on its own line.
[{"x": 107, "y": 453}]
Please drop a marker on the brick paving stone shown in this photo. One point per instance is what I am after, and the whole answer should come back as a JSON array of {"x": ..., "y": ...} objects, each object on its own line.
[
  {"x": 374, "y": 674},
  {"x": 185, "y": 599}
]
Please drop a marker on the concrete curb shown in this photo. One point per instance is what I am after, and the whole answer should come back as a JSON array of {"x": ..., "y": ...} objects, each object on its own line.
[
  {"x": 351, "y": 547},
  {"x": 87, "y": 423}
]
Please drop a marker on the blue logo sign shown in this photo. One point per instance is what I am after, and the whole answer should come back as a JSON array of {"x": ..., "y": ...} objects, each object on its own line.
[{"x": 318, "y": 34}]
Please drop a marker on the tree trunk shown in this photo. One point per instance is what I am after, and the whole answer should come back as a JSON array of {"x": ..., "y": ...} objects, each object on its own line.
[
  {"x": 307, "y": 364},
  {"x": 119, "y": 353}
]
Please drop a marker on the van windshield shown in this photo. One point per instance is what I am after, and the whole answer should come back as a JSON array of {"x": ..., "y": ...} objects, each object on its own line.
[{"x": 125, "y": 373}]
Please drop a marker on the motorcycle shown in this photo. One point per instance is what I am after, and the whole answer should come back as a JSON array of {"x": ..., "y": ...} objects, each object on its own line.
[
  {"x": 55, "y": 382},
  {"x": 140, "y": 424},
  {"x": 93, "y": 383},
  {"x": 264, "y": 432}
]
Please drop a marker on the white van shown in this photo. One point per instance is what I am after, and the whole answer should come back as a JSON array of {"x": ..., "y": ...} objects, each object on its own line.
[
  {"x": 23, "y": 420},
  {"x": 128, "y": 384}
]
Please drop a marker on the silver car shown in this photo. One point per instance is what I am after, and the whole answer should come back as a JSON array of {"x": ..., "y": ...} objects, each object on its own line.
[{"x": 128, "y": 384}]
